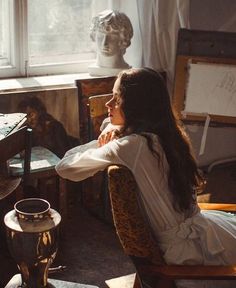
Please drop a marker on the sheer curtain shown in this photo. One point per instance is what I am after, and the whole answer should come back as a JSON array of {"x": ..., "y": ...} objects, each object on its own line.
[
  {"x": 160, "y": 24},
  {"x": 156, "y": 24}
]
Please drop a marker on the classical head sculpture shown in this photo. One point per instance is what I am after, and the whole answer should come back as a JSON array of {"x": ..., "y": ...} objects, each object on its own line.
[{"x": 112, "y": 31}]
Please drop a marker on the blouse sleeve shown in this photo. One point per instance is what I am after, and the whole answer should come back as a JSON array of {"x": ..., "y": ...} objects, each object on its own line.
[{"x": 86, "y": 160}]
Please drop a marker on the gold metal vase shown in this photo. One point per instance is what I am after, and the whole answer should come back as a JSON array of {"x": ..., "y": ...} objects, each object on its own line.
[{"x": 32, "y": 234}]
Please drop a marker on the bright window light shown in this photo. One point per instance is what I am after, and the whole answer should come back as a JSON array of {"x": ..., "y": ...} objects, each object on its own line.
[{"x": 41, "y": 37}]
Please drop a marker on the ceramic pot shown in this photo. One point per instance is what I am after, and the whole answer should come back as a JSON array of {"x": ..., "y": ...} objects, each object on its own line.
[{"x": 32, "y": 234}]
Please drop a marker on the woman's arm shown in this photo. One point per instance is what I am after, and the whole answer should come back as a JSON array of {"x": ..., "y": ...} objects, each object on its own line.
[{"x": 86, "y": 160}]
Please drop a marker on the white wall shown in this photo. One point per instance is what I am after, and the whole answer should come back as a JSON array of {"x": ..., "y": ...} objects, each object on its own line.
[
  {"x": 217, "y": 15},
  {"x": 220, "y": 143}
]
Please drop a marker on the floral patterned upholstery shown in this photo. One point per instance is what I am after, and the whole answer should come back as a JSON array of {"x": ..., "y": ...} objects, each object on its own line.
[{"x": 130, "y": 223}]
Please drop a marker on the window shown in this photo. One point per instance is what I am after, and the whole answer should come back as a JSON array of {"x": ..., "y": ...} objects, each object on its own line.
[{"x": 39, "y": 37}]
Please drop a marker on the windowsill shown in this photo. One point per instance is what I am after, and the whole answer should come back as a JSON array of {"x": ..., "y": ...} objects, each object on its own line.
[{"x": 40, "y": 82}]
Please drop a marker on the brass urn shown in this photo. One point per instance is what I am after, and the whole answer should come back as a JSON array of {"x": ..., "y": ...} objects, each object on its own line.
[{"x": 32, "y": 234}]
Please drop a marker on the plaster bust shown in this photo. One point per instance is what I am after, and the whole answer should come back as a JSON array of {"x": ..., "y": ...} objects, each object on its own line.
[{"x": 112, "y": 31}]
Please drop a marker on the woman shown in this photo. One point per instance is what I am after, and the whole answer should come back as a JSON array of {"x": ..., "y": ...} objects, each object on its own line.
[{"x": 145, "y": 136}]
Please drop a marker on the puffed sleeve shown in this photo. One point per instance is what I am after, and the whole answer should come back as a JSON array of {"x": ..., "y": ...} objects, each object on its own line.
[{"x": 86, "y": 160}]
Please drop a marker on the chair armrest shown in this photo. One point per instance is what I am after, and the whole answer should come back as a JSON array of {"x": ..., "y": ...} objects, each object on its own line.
[
  {"x": 190, "y": 272},
  {"x": 218, "y": 206}
]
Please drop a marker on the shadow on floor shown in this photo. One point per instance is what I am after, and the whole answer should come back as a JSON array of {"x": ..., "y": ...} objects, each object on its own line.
[{"x": 91, "y": 251}]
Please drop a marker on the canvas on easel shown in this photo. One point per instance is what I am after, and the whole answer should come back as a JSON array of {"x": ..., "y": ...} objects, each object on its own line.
[
  {"x": 205, "y": 84},
  {"x": 215, "y": 86}
]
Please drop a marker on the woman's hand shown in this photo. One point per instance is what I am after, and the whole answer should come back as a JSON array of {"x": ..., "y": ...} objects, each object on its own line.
[{"x": 108, "y": 134}]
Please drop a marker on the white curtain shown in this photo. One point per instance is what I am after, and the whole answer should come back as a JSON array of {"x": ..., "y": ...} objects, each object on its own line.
[{"x": 156, "y": 24}]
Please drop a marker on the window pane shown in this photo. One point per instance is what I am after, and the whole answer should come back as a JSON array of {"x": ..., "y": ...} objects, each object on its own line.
[
  {"x": 1, "y": 30},
  {"x": 4, "y": 33},
  {"x": 58, "y": 31}
]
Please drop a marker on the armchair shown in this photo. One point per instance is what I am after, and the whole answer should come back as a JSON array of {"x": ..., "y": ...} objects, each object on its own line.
[{"x": 137, "y": 241}]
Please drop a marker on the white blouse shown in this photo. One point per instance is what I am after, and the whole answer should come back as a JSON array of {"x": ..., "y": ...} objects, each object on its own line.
[{"x": 131, "y": 151}]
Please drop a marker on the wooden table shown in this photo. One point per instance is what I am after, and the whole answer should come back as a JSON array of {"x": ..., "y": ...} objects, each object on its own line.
[{"x": 15, "y": 282}]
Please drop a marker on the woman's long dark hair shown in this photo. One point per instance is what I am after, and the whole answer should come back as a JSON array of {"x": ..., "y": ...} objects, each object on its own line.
[{"x": 147, "y": 108}]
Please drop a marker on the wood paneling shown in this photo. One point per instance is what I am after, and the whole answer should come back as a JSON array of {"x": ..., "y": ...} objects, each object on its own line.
[{"x": 61, "y": 103}]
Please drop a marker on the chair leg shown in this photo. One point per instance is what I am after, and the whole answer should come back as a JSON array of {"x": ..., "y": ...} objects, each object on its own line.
[
  {"x": 137, "y": 282},
  {"x": 165, "y": 283},
  {"x": 154, "y": 283}
]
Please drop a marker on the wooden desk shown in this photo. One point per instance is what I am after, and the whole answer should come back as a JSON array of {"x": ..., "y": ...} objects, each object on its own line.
[{"x": 15, "y": 282}]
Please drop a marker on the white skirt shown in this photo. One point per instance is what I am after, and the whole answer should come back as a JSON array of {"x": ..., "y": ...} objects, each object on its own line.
[{"x": 207, "y": 238}]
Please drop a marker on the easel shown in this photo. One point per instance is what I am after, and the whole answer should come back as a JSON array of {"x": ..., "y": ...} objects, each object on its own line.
[{"x": 207, "y": 47}]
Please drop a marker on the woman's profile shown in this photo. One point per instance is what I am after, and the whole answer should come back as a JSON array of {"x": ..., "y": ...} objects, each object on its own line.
[{"x": 145, "y": 136}]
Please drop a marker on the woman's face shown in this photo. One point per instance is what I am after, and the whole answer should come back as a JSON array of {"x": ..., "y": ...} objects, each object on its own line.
[{"x": 115, "y": 111}]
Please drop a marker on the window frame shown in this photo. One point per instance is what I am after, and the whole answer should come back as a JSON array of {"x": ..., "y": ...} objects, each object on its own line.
[
  {"x": 11, "y": 69},
  {"x": 18, "y": 52}
]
